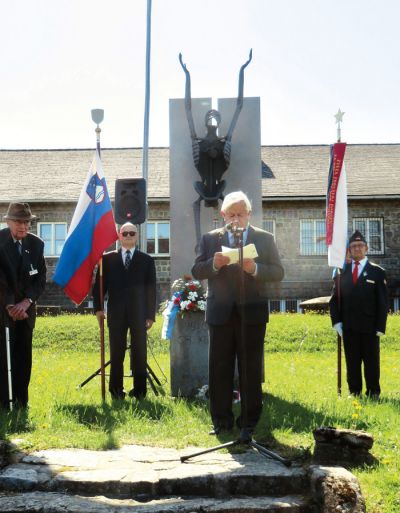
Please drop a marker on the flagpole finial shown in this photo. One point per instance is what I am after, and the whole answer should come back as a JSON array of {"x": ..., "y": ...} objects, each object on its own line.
[
  {"x": 97, "y": 117},
  {"x": 339, "y": 118}
]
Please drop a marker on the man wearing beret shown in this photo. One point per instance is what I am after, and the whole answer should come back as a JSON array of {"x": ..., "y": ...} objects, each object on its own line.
[
  {"x": 23, "y": 264},
  {"x": 359, "y": 316}
]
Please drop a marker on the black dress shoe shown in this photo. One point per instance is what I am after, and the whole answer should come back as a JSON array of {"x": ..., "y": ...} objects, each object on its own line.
[
  {"x": 134, "y": 394},
  {"x": 118, "y": 396}
]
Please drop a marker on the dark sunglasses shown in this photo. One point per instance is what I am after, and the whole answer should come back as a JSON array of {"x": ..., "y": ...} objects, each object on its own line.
[{"x": 131, "y": 234}]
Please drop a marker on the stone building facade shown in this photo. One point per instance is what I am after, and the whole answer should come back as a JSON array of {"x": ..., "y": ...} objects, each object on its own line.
[{"x": 293, "y": 190}]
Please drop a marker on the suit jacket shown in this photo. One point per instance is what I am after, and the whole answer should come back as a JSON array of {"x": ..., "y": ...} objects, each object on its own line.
[
  {"x": 25, "y": 278},
  {"x": 131, "y": 292},
  {"x": 363, "y": 306},
  {"x": 223, "y": 285}
]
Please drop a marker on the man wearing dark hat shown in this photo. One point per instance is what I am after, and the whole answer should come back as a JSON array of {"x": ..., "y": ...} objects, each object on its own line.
[
  {"x": 22, "y": 262},
  {"x": 359, "y": 316}
]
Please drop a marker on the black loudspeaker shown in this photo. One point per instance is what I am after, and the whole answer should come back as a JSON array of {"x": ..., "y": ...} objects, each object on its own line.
[{"x": 130, "y": 200}]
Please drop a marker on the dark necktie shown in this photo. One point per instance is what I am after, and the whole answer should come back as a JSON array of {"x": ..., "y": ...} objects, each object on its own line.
[
  {"x": 355, "y": 272},
  {"x": 18, "y": 248},
  {"x": 127, "y": 259}
]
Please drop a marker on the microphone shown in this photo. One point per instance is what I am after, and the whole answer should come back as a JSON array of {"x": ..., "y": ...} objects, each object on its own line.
[{"x": 233, "y": 227}]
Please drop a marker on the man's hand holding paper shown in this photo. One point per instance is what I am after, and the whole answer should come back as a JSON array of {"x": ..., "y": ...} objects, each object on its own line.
[{"x": 249, "y": 251}]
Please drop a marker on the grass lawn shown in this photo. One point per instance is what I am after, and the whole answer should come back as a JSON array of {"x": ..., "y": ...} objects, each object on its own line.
[{"x": 300, "y": 394}]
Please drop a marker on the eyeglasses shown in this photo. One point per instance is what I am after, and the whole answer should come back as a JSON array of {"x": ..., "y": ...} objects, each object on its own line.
[{"x": 131, "y": 234}]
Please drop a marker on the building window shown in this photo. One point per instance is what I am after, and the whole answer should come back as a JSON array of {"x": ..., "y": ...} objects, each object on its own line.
[
  {"x": 372, "y": 229},
  {"x": 53, "y": 235},
  {"x": 312, "y": 237},
  {"x": 158, "y": 237},
  {"x": 269, "y": 226},
  {"x": 218, "y": 223},
  {"x": 3, "y": 225}
]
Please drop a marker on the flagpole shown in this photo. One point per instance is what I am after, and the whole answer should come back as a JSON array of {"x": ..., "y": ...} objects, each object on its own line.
[
  {"x": 339, "y": 119},
  {"x": 339, "y": 340},
  {"x": 145, "y": 161},
  {"x": 97, "y": 117}
]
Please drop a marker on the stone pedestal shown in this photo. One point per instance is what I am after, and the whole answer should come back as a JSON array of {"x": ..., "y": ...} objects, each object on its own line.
[
  {"x": 189, "y": 354},
  {"x": 342, "y": 446}
]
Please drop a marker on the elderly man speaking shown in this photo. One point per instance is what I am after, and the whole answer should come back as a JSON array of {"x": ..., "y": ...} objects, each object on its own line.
[{"x": 226, "y": 316}]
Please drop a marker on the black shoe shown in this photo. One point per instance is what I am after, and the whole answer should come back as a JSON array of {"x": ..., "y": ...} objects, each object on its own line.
[
  {"x": 136, "y": 395},
  {"x": 246, "y": 435},
  {"x": 118, "y": 396}
]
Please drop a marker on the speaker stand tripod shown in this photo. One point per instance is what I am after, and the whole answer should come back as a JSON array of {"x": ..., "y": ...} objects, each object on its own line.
[{"x": 150, "y": 376}]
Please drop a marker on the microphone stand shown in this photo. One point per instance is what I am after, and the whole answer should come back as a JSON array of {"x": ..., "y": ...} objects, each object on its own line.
[{"x": 245, "y": 435}]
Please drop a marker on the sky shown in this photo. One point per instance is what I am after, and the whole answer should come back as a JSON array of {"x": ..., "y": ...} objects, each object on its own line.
[{"x": 61, "y": 58}]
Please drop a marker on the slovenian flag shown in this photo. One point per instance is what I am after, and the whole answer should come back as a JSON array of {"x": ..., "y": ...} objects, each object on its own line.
[
  {"x": 92, "y": 230},
  {"x": 336, "y": 207}
]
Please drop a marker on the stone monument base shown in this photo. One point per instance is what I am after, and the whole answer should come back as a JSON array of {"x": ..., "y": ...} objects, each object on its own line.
[{"x": 189, "y": 354}]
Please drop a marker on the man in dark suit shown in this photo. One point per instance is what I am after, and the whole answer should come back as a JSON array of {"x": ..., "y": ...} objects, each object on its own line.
[
  {"x": 225, "y": 314},
  {"x": 23, "y": 264},
  {"x": 129, "y": 280},
  {"x": 359, "y": 315}
]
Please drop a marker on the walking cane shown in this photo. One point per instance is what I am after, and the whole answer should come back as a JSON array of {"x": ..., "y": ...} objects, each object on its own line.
[{"x": 10, "y": 392}]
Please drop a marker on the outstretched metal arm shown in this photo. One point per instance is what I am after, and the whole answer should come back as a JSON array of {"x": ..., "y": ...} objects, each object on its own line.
[
  {"x": 239, "y": 102},
  {"x": 188, "y": 100}
]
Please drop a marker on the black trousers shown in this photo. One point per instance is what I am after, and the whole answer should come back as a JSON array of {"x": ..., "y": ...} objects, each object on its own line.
[
  {"x": 224, "y": 347},
  {"x": 362, "y": 348},
  {"x": 21, "y": 363},
  {"x": 118, "y": 344}
]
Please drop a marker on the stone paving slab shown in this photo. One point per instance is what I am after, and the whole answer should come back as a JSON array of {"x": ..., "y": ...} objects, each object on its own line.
[
  {"x": 139, "y": 470},
  {"x": 42, "y": 502}
]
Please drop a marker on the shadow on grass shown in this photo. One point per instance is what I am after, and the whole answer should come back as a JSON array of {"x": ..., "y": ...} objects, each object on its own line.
[
  {"x": 16, "y": 421},
  {"x": 279, "y": 413},
  {"x": 107, "y": 417},
  {"x": 391, "y": 401}
]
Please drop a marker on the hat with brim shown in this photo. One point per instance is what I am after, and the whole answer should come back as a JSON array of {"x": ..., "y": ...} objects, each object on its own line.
[{"x": 19, "y": 212}]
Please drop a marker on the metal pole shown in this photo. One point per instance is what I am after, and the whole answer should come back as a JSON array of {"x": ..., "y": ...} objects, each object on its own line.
[
  {"x": 98, "y": 132},
  {"x": 97, "y": 117},
  {"x": 339, "y": 118},
  {"x": 9, "y": 370},
  {"x": 339, "y": 340},
  {"x": 102, "y": 351},
  {"x": 145, "y": 162}
]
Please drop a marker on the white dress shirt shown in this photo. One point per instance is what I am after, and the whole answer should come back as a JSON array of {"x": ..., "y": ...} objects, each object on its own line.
[
  {"x": 123, "y": 253},
  {"x": 360, "y": 267}
]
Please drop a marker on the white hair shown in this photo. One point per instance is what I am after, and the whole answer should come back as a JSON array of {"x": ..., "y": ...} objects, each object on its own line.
[{"x": 235, "y": 197}]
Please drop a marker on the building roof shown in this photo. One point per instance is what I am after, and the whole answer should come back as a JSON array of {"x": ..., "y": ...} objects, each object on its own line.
[
  {"x": 301, "y": 171},
  {"x": 292, "y": 172}
]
